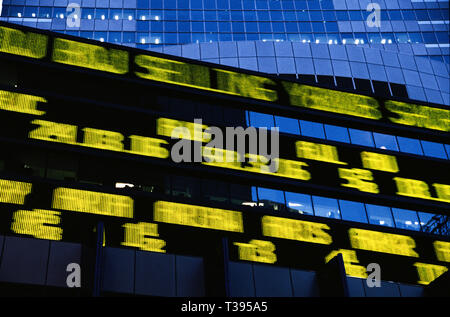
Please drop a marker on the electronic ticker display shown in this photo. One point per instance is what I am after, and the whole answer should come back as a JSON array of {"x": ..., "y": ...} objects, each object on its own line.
[{"x": 154, "y": 67}]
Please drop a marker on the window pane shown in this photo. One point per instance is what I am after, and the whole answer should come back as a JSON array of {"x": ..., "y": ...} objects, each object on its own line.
[
  {"x": 271, "y": 198},
  {"x": 385, "y": 141},
  {"x": 406, "y": 219},
  {"x": 312, "y": 129},
  {"x": 429, "y": 221},
  {"x": 361, "y": 137},
  {"x": 353, "y": 211},
  {"x": 408, "y": 145},
  {"x": 434, "y": 149},
  {"x": 261, "y": 120},
  {"x": 300, "y": 203},
  {"x": 215, "y": 191},
  {"x": 241, "y": 194},
  {"x": 186, "y": 187},
  {"x": 326, "y": 207},
  {"x": 336, "y": 133},
  {"x": 287, "y": 125},
  {"x": 379, "y": 215}
]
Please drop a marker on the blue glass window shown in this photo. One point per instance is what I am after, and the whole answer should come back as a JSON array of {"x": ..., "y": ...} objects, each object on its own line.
[
  {"x": 197, "y": 15},
  {"x": 408, "y": 145},
  {"x": 276, "y": 16},
  {"x": 355, "y": 15},
  {"x": 271, "y": 198},
  {"x": 261, "y": 120},
  {"x": 300, "y": 203},
  {"x": 331, "y": 27},
  {"x": 318, "y": 26},
  {"x": 210, "y": 15},
  {"x": 46, "y": 12},
  {"x": 249, "y": 15},
  {"x": 326, "y": 207},
  {"x": 433, "y": 149},
  {"x": 361, "y": 137},
  {"x": 408, "y": 15},
  {"x": 342, "y": 15},
  {"x": 406, "y": 219},
  {"x": 336, "y": 133},
  {"x": 316, "y": 15},
  {"x": 263, "y": 16},
  {"x": 353, "y": 211},
  {"x": 395, "y": 15},
  {"x": 385, "y": 141},
  {"x": 129, "y": 37},
  {"x": 31, "y": 12},
  {"x": 379, "y": 215},
  {"x": 428, "y": 221},
  {"x": 312, "y": 129},
  {"x": 287, "y": 125},
  {"x": 305, "y": 27}
]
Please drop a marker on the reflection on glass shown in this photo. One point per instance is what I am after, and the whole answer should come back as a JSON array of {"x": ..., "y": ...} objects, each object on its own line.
[
  {"x": 385, "y": 141},
  {"x": 361, "y": 137},
  {"x": 287, "y": 125},
  {"x": 353, "y": 211},
  {"x": 300, "y": 203},
  {"x": 406, "y": 219},
  {"x": 312, "y": 129},
  {"x": 379, "y": 215},
  {"x": 326, "y": 207},
  {"x": 271, "y": 198},
  {"x": 408, "y": 145},
  {"x": 261, "y": 120}
]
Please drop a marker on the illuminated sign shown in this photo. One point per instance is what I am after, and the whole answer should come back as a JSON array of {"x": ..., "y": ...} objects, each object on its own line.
[
  {"x": 146, "y": 66},
  {"x": 144, "y": 222},
  {"x": 336, "y": 167}
]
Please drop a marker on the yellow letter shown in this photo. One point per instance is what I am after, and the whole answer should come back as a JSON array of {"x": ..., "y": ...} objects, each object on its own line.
[
  {"x": 54, "y": 132},
  {"x": 350, "y": 260},
  {"x": 90, "y": 56},
  {"x": 382, "y": 242},
  {"x": 12, "y": 192},
  {"x": 257, "y": 251},
  {"x": 173, "y": 72},
  {"x": 148, "y": 146},
  {"x": 198, "y": 216},
  {"x": 332, "y": 101},
  {"x": 380, "y": 162},
  {"x": 24, "y": 44},
  {"x": 292, "y": 229},
  {"x": 359, "y": 179},
  {"x": 419, "y": 116},
  {"x": 412, "y": 188},
  {"x": 103, "y": 139},
  {"x": 443, "y": 192},
  {"x": 35, "y": 223},
  {"x": 245, "y": 85},
  {"x": 429, "y": 272},
  {"x": 12, "y": 101},
  {"x": 318, "y": 152},
  {"x": 93, "y": 202},
  {"x": 137, "y": 235},
  {"x": 442, "y": 250}
]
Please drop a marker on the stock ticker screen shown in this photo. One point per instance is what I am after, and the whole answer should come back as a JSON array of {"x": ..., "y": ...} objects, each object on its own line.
[{"x": 49, "y": 110}]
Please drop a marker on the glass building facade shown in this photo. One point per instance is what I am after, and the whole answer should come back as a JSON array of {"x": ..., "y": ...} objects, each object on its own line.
[
  {"x": 332, "y": 43},
  {"x": 408, "y": 50}
]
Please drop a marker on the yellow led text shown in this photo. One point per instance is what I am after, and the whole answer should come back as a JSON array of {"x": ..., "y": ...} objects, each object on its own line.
[
  {"x": 419, "y": 116},
  {"x": 419, "y": 189},
  {"x": 257, "y": 251},
  {"x": 382, "y": 242},
  {"x": 12, "y": 101},
  {"x": 93, "y": 202},
  {"x": 138, "y": 235},
  {"x": 37, "y": 223},
  {"x": 380, "y": 162},
  {"x": 359, "y": 179},
  {"x": 198, "y": 216},
  {"x": 90, "y": 56},
  {"x": 293, "y": 229},
  {"x": 318, "y": 152},
  {"x": 429, "y": 272},
  {"x": 350, "y": 262},
  {"x": 442, "y": 250},
  {"x": 12, "y": 192},
  {"x": 22, "y": 43},
  {"x": 332, "y": 101}
]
